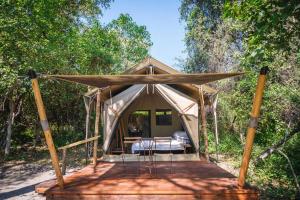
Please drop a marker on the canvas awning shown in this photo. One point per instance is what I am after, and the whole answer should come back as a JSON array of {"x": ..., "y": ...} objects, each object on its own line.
[{"x": 109, "y": 80}]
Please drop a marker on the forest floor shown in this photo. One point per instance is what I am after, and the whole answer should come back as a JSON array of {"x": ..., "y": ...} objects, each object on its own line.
[{"x": 19, "y": 177}]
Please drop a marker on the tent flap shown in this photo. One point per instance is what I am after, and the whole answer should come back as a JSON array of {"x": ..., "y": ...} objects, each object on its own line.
[
  {"x": 114, "y": 107},
  {"x": 183, "y": 103},
  {"x": 186, "y": 106}
]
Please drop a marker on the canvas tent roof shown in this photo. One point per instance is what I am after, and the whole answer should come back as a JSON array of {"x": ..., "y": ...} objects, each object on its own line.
[
  {"x": 161, "y": 73},
  {"x": 158, "y": 68},
  {"x": 101, "y": 81}
]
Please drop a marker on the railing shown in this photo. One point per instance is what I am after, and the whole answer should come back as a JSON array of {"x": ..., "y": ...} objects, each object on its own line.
[{"x": 64, "y": 151}]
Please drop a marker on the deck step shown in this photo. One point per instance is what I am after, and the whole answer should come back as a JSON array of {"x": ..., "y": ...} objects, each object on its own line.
[
  {"x": 161, "y": 157},
  {"x": 232, "y": 196}
]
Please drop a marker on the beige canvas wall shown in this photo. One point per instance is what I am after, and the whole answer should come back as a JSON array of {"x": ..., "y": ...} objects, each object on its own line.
[{"x": 152, "y": 102}]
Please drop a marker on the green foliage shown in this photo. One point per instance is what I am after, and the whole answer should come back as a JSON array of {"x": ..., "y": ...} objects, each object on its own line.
[
  {"x": 135, "y": 40},
  {"x": 212, "y": 43},
  {"x": 246, "y": 35},
  {"x": 269, "y": 27},
  {"x": 58, "y": 37}
]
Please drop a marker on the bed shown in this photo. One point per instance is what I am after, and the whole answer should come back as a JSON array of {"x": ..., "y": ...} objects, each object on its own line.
[{"x": 179, "y": 139}]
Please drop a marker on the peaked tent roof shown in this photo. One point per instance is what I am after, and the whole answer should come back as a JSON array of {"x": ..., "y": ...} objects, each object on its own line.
[{"x": 159, "y": 68}]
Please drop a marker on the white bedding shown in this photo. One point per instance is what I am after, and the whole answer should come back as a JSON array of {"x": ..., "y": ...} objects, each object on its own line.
[
  {"x": 160, "y": 146},
  {"x": 181, "y": 136}
]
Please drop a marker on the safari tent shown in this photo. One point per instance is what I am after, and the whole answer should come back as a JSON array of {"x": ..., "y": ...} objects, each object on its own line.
[
  {"x": 149, "y": 100},
  {"x": 141, "y": 104}
]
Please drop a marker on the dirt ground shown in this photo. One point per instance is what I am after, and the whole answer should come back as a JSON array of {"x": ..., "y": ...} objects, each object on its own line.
[{"x": 18, "y": 179}]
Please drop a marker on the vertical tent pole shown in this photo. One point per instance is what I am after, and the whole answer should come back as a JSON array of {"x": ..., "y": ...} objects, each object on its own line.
[
  {"x": 45, "y": 126},
  {"x": 203, "y": 120},
  {"x": 199, "y": 129},
  {"x": 87, "y": 103},
  {"x": 97, "y": 120},
  {"x": 216, "y": 125},
  {"x": 252, "y": 125}
]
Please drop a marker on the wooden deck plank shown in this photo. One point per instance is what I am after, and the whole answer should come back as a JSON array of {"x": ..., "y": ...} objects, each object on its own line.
[{"x": 190, "y": 178}]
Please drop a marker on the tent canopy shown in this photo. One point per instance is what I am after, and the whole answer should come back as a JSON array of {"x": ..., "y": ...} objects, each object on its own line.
[
  {"x": 152, "y": 66},
  {"x": 101, "y": 81}
]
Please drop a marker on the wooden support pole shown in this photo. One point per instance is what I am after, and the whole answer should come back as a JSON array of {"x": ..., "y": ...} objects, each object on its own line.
[
  {"x": 64, "y": 160},
  {"x": 214, "y": 107},
  {"x": 87, "y": 103},
  {"x": 203, "y": 122},
  {"x": 45, "y": 126},
  {"x": 97, "y": 121},
  {"x": 257, "y": 101}
]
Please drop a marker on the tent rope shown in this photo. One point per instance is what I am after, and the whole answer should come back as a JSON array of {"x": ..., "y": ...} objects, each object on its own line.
[
  {"x": 110, "y": 96},
  {"x": 147, "y": 87}
]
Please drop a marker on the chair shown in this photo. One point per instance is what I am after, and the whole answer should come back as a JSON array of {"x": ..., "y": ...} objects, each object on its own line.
[
  {"x": 131, "y": 140},
  {"x": 168, "y": 151}
]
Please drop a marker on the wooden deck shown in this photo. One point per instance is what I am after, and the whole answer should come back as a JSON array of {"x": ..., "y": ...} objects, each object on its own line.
[{"x": 189, "y": 180}]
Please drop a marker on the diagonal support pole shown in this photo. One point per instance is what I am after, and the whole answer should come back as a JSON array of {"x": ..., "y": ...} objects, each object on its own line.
[
  {"x": 252, "y": 125},
  {"x": 45, "y": 126}
]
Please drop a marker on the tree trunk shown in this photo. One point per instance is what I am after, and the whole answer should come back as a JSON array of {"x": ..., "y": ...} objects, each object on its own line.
[
  {"x": 9, "y": 127},
  {"x": 242, "y": 137},
  {"x": 37, "y": 133},
  {"x": 203, "y": 120}
]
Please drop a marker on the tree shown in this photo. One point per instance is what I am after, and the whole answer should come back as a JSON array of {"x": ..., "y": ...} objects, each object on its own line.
[
  {"x": 247, "y": 35},
  {"x": 270, "y": 27},
  {"x": 134, "y": 39},
  {"x": 33, "y": 34},
  {"x": 212, "y": 44},
  {"x": 58, "y": 37}
]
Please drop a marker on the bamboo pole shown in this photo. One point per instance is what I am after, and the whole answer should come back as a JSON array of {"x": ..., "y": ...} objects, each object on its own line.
[
  {"x": 78, "y": 143},
  {"x": 97, "y": 120},
  {"x": 203, "y": 120},
  {"x": 216, "y": 126},
  {"x": 252, "y": 125},
  {"x": 45, "y": 126}
]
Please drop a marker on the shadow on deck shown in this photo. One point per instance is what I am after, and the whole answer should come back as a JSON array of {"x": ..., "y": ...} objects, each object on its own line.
[{"x": 113, "y": 180}]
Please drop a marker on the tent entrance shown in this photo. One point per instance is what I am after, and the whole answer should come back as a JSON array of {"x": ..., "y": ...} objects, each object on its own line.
[
  {"x": 155, "y": 114},
  {"x": 139, "y": 124}
]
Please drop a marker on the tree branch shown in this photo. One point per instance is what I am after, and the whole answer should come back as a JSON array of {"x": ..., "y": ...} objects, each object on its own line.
[
  {"x": 292, "y": 169},
  {"x": 274, "y": 147}
]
